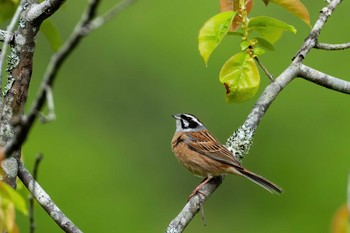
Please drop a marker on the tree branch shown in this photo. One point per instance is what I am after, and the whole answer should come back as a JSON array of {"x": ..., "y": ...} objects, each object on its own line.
[
  {"x": 25, "y": 124},
  {"x": 325, "y": 46},
  {"x": 45, "y": 201},
  {"x": 323, "y": 79},
  {"x": 31, "y": 197},
  {"x": 192, "y": 207},
  {"x": 311, "y": 40},
  {"x": 39, "y": 12},
  {"x": 101, "y": 20}
]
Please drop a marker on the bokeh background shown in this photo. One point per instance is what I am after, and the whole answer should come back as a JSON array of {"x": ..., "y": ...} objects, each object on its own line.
[{"x": 107, "y": 158}]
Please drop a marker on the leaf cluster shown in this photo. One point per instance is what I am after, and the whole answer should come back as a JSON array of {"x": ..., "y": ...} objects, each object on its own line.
[{"x": 240, "y": 74}]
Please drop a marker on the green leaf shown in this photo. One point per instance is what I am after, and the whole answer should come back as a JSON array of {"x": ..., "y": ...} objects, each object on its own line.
[
  {"x": 7, "y": 192},
  {"x": 270, "y": 29},
  {"x": 212, "y": 33},
  {"x": 244, "y": 45},
  {"x": 264, "y": 44},
  {"x": 240, "y": 77},
  {"x": 258, "y": 51},
  {"x": 52, "y": 34},
  {"x": 296, "y": 8}
]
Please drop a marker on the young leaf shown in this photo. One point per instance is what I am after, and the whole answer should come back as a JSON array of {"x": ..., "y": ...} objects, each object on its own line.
[
  {"x": 52, "y": 34},
  {"x": 270, "y": 29},
  {"x": 295, "y": 7},
  {"x": 240, "y": 77},
  {"x": 264, "y": 44},
  {"x": 212, "y": 33},
  {"x": 6, "y": 192},
  {"x": 233, "y": 5}
]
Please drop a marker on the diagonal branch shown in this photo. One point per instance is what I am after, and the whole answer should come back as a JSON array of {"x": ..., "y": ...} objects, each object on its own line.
[
  {"x": 193, "y": 206},
  {"x": 39, "y": 12},
  {"x": 311, "y": 40},
  {"x": 323, "y": 79},
  {"x": 45, "y": 201}
]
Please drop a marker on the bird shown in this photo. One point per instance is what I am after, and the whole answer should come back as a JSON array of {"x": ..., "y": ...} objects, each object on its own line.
[{"x": 204, "y": 156}]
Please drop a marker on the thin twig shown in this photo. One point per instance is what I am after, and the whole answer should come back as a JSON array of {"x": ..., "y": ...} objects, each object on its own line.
[
  {"x": 323, "y": 79},
  {"x": 270, "y": 76},
  {"x": 32, "y": 225},
  {"x": 325, "y": 46},
  {"x": 10, "y": 28},
  {"x": 101, "y": 20},
  {"x": 51, "y": 116},
  {"x": 45, "y": 201}
]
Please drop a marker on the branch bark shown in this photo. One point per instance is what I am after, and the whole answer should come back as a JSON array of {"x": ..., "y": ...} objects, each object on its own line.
[{"x": 326, "y": 46}]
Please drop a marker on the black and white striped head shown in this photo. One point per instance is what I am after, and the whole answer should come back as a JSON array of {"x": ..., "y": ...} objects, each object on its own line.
[{"x": 187, "y": 123}]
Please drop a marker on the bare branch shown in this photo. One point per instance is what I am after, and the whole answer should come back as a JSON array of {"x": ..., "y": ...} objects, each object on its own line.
[
  {"x": 239, "y": 143},
  {"x": 270, "y": 76},
  {"x": 311, "y": 41},
  {"x": 325, "y": 46},
  {"x": 39, "y": 12},
  {"x": 31, "y": 197},
  {"x": 45, "y": 201},
  {"x": 323, "y": 79},
  {"x": 192, "y": 207},
  {"x": 51, "y": 116},
  {"x": 101, "y": 20}
]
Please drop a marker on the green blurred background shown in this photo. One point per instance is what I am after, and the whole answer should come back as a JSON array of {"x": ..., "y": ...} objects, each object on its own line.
[{"x": 107, "y": 158}]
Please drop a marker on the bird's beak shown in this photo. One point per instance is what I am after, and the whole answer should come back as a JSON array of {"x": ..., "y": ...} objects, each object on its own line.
[{"x": 176, "y": 116}]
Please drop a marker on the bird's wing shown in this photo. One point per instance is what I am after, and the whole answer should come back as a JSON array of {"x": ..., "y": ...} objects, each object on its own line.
[{"x": 206, "y": 144}]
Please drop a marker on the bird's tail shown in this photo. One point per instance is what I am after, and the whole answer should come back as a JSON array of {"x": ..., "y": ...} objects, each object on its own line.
[{"x": 261, "y": 181}]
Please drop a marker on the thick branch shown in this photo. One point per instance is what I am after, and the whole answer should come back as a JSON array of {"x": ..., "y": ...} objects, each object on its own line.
[
  {"x": 45, "y": 201},
  {"x": 325, "y": 46},
  {"x": 39, "y": 12},
  {"x": 323, "y": 79},
  {"x": 239, "y": 143}
]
